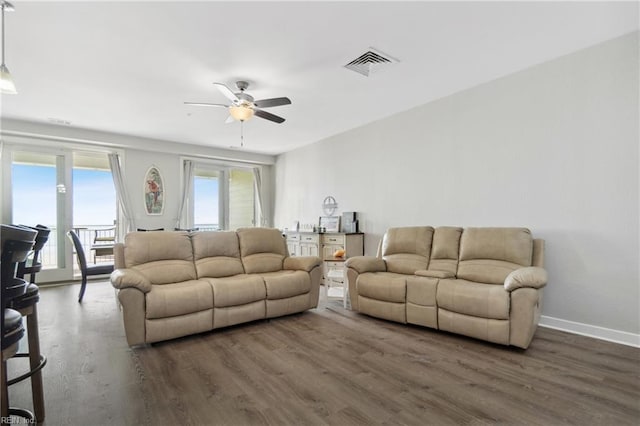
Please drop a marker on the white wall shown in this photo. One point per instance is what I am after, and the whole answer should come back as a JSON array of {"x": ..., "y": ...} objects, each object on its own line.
[
  {"x": 553, "y": 148},
  {"x": 136, "y": 164}
]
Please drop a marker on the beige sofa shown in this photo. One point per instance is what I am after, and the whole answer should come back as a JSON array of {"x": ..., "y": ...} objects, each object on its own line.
[
  {"x": 175, "y": 283},
  {"x": 480, "y": 282}
]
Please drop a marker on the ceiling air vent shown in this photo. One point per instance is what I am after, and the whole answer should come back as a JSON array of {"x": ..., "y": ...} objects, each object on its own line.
[
  {"x": 59, "y": 121},
  {"x": 371, "y": 61}
]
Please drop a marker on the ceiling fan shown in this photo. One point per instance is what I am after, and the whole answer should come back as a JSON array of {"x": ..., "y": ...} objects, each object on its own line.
[{"x": 243, "y": 106}]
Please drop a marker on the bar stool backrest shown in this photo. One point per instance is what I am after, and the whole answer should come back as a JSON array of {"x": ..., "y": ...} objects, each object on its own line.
[
  {"x": 35, "y": 265},
  {"x": 13, "y": 252}
]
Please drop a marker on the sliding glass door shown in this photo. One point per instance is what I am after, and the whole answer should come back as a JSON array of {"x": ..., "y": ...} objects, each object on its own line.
[
  {"x": 94, "y": 205},
  {"x": 63, "y": 190},
  {"x": 35, "y": 193}
]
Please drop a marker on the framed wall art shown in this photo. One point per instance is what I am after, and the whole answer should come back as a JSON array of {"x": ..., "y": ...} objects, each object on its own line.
[
  {"x": 329, "y": 223},
  {"x": 153, "y": 191}
]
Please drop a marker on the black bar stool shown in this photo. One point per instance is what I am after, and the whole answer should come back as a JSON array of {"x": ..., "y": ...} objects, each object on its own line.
[
  {"x": 16, "y": 243},
  {"x": 26, "y": 305},
  {"x": 32, "y": 266}
]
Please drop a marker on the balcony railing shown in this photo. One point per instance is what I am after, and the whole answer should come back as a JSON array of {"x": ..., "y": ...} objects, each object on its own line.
[
  {"x": 49, "y": 253},
  {"x": 86, "y": 233}
]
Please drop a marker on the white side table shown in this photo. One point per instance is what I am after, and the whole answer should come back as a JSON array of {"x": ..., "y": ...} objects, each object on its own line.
[{"x": 336, "y": 282}]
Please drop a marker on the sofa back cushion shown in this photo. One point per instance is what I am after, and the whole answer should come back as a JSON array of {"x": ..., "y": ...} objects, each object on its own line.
[
  {"x": 445, "y": 249},
  {"x": 217, "y": 254},
  {"x": 163, "y": 256},
  {"x": 261, "y": 249},
  {"x": 488, "y": 255},
  {"x": 407, "y": 249}
]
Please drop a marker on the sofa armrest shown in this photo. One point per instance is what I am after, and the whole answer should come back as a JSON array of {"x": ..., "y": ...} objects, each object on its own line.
[
  {"x": 364, "y": 264},
  {"x": 435, "y": 274},
  {"x": 532, "y": 277},
  {"x": 124, "y": 278},
  {"x": 301, "y": 263}
]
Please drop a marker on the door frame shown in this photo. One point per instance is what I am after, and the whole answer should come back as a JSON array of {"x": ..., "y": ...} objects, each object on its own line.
[{"x": 64, "y": 200}]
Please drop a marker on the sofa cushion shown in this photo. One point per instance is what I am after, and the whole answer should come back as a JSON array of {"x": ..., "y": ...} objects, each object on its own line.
[
  {"x": 237, "y": 290},
  {"x": 445, "y": 248},
  {"x": 283, "y": 284},
  {"x": 163, "y": 257},
  {"x": 488, "y": 255},
  {"x": 261, "y": 249},
  {"x": 167, "y": 271},
  {"x": 169, "y": 300},
  {"x": 385, "y": 286},
  {"x": 407, "y": 249},
  {"x": 474, "y": 299},
  {"x": 217, "y": 254}
]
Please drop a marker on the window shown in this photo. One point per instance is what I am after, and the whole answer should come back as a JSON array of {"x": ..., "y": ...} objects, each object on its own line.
[
  {"x": 94, "y": 200},
  {"x": 223, "y": 198},
  {"x": 241, "y": 199},
  {"x": 94, "y": 196},
  {"x": 62, "y": 189},
  {"x": 36, "y": 194},
  {"x": 206, "y": 199}
]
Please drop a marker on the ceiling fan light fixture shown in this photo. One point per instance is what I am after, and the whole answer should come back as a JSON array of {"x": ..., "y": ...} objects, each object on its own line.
[
  {"x": 243, "y": 106},
  {"x": 241, "y": 112}
]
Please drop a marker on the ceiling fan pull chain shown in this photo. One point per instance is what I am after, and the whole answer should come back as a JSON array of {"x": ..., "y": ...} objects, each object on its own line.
[{"x": 242, "y": 133}]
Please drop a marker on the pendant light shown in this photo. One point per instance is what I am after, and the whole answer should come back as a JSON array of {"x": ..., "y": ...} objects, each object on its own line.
[{"x": 6, "y": 81}]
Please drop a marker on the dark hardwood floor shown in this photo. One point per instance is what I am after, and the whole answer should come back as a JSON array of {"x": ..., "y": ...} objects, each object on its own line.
[{"x": 326, "y": 366}]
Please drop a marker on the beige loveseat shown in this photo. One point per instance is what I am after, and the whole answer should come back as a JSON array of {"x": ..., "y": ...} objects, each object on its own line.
[
  {"x": 480, "y": 282},
  {"x": 174, "y": 283}
]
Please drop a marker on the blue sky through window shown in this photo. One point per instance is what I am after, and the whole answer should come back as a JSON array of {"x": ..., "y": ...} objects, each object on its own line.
[
  {"x": 205, "y": 201},
  {"x": 34, "y": 196},
  {"x": 94, "y": 197}
]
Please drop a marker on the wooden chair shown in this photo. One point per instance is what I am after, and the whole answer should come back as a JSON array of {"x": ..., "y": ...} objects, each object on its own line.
[
  {"x": 103, "y": 241},
  {"x": 101, "y": 269}
]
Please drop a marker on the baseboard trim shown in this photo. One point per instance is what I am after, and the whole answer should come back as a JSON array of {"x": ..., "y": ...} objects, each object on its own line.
[{"x": 608, "y": 334}]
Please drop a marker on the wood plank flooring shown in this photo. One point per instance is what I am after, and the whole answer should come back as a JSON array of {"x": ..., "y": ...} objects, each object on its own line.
[{"x": 328, "y": 366}]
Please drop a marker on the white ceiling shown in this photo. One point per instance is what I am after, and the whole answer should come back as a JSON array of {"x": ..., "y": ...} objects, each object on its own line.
[{"x": 127, "y": 67}]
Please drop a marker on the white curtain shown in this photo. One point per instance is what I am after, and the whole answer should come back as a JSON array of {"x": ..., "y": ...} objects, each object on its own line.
[
  {"x": 257, "y": 181},
  {"x": 187, "y": 183},
  {"x": 128, "y": 224}
]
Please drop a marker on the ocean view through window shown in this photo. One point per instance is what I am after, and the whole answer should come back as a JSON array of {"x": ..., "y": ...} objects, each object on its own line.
[
  {"x": 206, "y": 200},
  {"x": 36, "y": 182}
]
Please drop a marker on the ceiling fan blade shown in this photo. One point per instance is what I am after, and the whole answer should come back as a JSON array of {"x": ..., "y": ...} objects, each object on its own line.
[
  {"x": 268, "y": 116},
  {"x": 227, "y": 93},
  {"x": 206, "y": 104},
  {"x": 267, "y": 103},
  {"x": 229, "y": 120}
]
